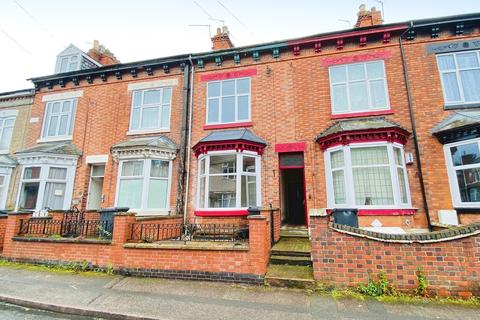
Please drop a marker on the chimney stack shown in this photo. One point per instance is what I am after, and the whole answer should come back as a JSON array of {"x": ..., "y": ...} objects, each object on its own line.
[
  {"x": 368, "y": 18},
  {"x": 101, "y": 54},
  {"x": 222, "y": 40}
]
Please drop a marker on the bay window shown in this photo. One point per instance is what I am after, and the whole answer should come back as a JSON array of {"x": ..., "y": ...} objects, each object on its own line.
[
  {"x": 228, "y": 101},
  {"x": 151, "y": 110},
  {"x": 369, "y": 175},
  {"x": 460, "y": 77},
  {"x": 144, "y": 184},
  {"x": 228, "y": 180},
  {"x": 358, "y": 87},
  {"x": 463, "y": 165}
]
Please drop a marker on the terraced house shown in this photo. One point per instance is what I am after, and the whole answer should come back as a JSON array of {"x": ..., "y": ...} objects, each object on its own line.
[{"x": 378, "y": 123}]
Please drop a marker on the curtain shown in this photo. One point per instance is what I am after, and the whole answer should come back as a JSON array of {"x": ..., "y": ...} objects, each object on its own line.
[{"x": 54, "y": 195}]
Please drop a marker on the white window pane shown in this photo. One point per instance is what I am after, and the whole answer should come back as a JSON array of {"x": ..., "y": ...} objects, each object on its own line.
[
  {"x": 132, "y": 168},
  {"x": 338, "y": 74},
  {"x": 398, "y": 156},
  {"x": 167, "y": 96},
  {"x": 446, "y": 62},
  {"x": 5, "y": 138},
  {"x": 63, "y": 64},
  {"x": 8, "y": 122},
  {"x": 150, "y": 117},
  {"x": 249, "y": 191},
  {"x": 465, "y": 154},
  {"x": 135, "y": 118},
  {"x": 137, "y": 98},
  {"x": 165, "y": 117},
  {"x": 56, "y": 107},
  {"x": 151, "y": 97},
  {"x": 378, "y": 94},
  {"x": 130, "y": 193},
  {"x": 450, "y": 87},
  {"x": 223, "y": 164},
  {"x": 62, "y": 129},
  {"x": 248, "y": 164},
  {"x": 228, "y": 109},
  {"x": 66, "y": 106},
  {"x": 358, "y": 96},
  {"x": 54, "y": 195},
  {"x": 213, "y": 89},
  {"x": 222, "y": 192},
  {"x": 375, "y": 70},
  {"x": 373, "y": 186},
  {"x": 336, "y": 159},
  {"x": 98, "y": 171},
  {"x": 159, "y": 169},
  {"x": 339, "y": 187},
  {"x": 228, "y": 87},
  {"x": 202, "y": 192},
  {"x": 467, "y": 60},
  {"x": 469, "y": 184},
  {"x": 57, "y": 173},
  {"x": 369, "y": 156},
  {"x": 471, "y": 84},
  {"x": 243, "y": 86},
  {"x": 243, "y": 112},
  {"x": 73, "y": 58},
  {"x": 157, "y": 194},
  {"x": 340, "y": 99},
  {"x": 213, "y": 109},
  {"x": 29, "y": 194},
  {"x": 402, "y": 186},
  {"x": 52, "y": 126},
  {"x": 2, "y": 180},
  {"x": 356, "y": 72},
  {"x": 32, "y": 173}
]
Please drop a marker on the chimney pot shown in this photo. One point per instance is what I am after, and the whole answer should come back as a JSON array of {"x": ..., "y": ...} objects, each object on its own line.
[
  {"x": 368, "y": 18},
  {"x": 222, "y": 40}
]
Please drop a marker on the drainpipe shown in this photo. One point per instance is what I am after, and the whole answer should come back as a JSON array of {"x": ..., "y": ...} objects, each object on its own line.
[
  {"x": 189, "y": 141},
  {"x": 414, "y": 130},
  {"x": 183, "y": 142}
]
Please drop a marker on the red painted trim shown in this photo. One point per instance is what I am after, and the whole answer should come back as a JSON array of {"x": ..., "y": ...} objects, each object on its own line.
[
  {"x": 222, "y": 213},
  {"x": 383, "y": 212},
  {"x": 361, "y": 114},
  {"x": 228, "y": 75},
  {"x": 331, "y": 61},
  {"x": 348, "y": 34},
  {"x": 291, "y": 147},
  {"x": 238, "y": 145},
  {"x": 291, "y": 167},
  {"x": 227, "y": 125}
]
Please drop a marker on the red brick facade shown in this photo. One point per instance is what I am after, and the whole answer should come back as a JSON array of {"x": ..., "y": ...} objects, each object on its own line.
[{"x": 3, "y": 226}]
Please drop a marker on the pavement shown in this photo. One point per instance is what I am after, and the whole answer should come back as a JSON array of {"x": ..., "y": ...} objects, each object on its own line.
[{"x": 117, "y": 297}]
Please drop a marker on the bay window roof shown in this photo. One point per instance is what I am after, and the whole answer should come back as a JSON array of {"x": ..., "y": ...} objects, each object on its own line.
[
  {"x": 158, "y": 145},
  {"x": 64, "y": 148},
  {"x": 7, "y": 161},
  {"x": 239, "y": 139},
  {"x": 461, "y": 125}
]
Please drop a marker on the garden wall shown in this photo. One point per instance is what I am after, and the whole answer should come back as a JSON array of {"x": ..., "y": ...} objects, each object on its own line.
[{"x": 3, "y": 225}]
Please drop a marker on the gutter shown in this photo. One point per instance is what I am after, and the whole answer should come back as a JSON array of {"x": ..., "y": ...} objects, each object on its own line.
[
  {"x": 189, "y": 140},
  {"x": 414, "y": 130}
]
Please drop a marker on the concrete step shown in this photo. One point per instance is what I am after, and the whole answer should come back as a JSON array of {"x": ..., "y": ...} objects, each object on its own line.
[
  {"x": 294, "y": 233},
  {"x": 290, "y": 253},
  {"x": 290, "y": 260},
  {"x": 290, "y": 276}
]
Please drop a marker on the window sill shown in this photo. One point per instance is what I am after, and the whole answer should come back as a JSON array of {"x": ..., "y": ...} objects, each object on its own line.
[
  {"x": 228, "y": 125},
  {"x": 4, "y": 152},
  {"x": 462, "y": 106},
  {"x": 361, "y": 114},
  {"x": 139, "y": 132},
  {"x": 384, "y": 212},
  {"x": 221, "y": 213},
  {"x": 468, "y": 209},
  {"x": 54, "y": 139},
  {"x": 151, "y": 212}
]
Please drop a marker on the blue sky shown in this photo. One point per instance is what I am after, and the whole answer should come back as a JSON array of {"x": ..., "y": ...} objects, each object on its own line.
[{"x": 144, "y": 29}]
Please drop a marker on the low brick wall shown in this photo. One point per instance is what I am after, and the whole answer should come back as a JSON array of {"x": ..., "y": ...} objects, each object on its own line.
[
  {"x": 449, "y": 259},
  {"x": 3, "y": 225}
]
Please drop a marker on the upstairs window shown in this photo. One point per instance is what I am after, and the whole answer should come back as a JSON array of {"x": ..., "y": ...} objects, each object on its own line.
[
  {"x": 6, "y": 130},
  {"x": 460, "y": 76},
  {"x": 151, "y": 110},
  {"x": 228, "y": 101},
  {"x": 358, "y": 87},
  {"x": 59, "y": 118},
  {"x": 68, "y": 63}
]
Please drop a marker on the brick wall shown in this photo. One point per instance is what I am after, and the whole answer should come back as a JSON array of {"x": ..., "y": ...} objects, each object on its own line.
[
  {"x": 451, "y": 267},
  {"x": 3, "y": 225}
]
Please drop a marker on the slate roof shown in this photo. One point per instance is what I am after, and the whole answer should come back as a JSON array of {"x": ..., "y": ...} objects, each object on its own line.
[
  {"x": 357, "y": 125},
  {"x": 7, "y": 160},
  {"x": 457, "y": 120},
  {"x": 67, "y": 148},
  {"x": 232, "y": 135},
  {"x": 157, "y": 141}
]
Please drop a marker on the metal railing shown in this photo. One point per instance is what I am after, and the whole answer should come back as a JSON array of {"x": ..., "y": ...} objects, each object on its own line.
[
  {"x": 153, "y": 232},
  {"x": 66, "y": 228}
]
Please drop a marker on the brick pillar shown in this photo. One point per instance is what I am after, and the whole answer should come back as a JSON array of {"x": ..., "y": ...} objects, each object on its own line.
[
  {"x": 319, "y": 232},
  {"x": 11, "y": 230},
  {"x": 3, "y": 225},
  {"x": 121, "y": 232},
  {"x": 259, "y": 244}
]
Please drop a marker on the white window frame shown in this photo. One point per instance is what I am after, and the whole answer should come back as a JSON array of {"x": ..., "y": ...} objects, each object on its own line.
[
  {"x": 142, "y": 106},
  {"x": 452, "y": 176},
  {"x": 144, "y": 210},
  {"x": 43, "y": 179},
  {"x": 457, "y": 75},
  {"x": 5, "y": 117},
  {"x": 238, "y": 174},
  {"x": 235, "y": 95},
  {"x": 348, "y": 177},
  {"x": 6, "y": 173},
  {"x": 44, "y": 137},
  {"x": 348, "y": 82},
  {"x": 69, "y": 62}
]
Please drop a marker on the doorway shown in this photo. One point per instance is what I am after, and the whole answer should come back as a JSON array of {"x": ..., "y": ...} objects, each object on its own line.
[
  {"x": 95, "y": 189},
  {"x": 292, "y": 189}
]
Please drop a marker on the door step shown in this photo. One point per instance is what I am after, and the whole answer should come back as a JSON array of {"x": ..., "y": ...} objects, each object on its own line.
[
  {"x": 290, "y": 276},
  {"x": 289, "y": 232},
  {"x": 290, "y": 260}
]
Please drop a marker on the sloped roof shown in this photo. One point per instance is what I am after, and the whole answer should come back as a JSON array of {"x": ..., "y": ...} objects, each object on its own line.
[
  {"x": 157, "y": 141},
  {"x": 457, "y": 120},
  {"x": 66, "y": 148},
  {"x": 357, "y": 125},
  {"x": 7, "y": 160},
  {"x": 230, "y": 135}
]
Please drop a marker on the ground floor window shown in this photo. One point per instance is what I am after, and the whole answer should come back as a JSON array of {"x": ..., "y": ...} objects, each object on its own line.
[
  {"x": 144, "y": 184},
  {"x": 228, "y": 180},
  {"x": 463, "y": 164},
  {"x": 4, "y": 182},
  {"x": 367, "y": 176}
]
